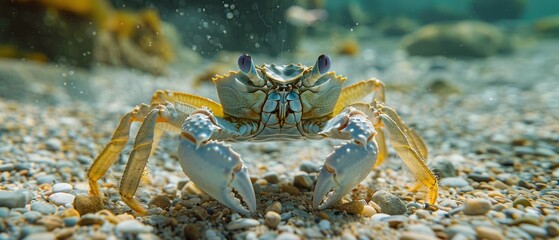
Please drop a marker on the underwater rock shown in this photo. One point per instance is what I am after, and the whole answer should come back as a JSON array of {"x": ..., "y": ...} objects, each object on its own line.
[
  {"x": 441, "y": 14},
  {"x": 460, "y": 39},
  {"x": 498, "y": 9},
  {"x": 548, "y": 26},
  {"x": 399, "y": 26},
  {"x": 135, "y": 40}
]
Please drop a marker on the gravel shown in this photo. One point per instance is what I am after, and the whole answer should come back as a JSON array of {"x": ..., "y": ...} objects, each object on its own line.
[{"x": 494, "y": 143}]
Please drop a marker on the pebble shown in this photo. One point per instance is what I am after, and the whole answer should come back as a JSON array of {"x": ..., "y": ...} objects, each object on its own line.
[
  {"x": 161, "y": 201},
  {"x": 7, "y": 167},
  {"x": 62, "y": 187},
  {"x": 242, "y": 223},
  {"x": 395, "y": 221},
  {"x": 53, "y": 144},
  {"x": 272, "y": 219},
  {"x": 457, "y": 229},
  {"x": 303, "y": 181},
  {"x": 88, "y": 204},
  {"x": 445, "y": 169},
  {"x": 287, "y": 236},
  {"x": 379, "y": 216},
  {"x": 43, "y": 207},
  {"x": 408, "y": 235},
  {"x": 476, "y": 206},
  {"x": 275, "y": 206},
  {"x": 489, "y": 233},
  {"x": 422, "y": 229},
  {"x": 91, "y": 219},
  {"x": 324, "y": 225},
  {"x": 40, "y": 236},
  {"x": 389, "y": 203},
  {"x": 479, "y": 177},
  {"x": 521, "y": 201},
  {"x": 32, "y": 216},
  {"x": 368, "y": 211},
  {"x": 70, "y": 221},
  {"x": 51, "y": 222},
  {"x": 534, "y": 231},
  {"x": 133, "y": 227},
  {"x": 46, "y": 179},
  {"x": 454, "y": 182},
  {"x": 310, "y": 167},
  {"x": 11, "y": 199},
  {"x": 271, "y": 177},
  {"x": 355, "y": 207},
  {"x": 552, "y": 229},
  {"x": 61, "y": 198}
]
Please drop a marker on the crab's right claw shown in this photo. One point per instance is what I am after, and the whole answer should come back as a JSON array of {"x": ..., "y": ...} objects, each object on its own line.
[
  {"x": 218, "y": 170},
  {"x": 346, "y": 167}
]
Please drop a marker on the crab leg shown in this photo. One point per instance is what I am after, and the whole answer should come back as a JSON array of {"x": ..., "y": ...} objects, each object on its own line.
[
  {"x": 163, "y": 116},
  {"x": 351, "y": 162},
  {"x": 411, "y": 149},
  {"x": 212, "y": 165},
  {"x": 110, "y": 154}
]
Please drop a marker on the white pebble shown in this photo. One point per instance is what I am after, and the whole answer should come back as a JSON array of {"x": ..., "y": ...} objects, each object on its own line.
[
  {"x": 242, "y": 223},
  {"x": 132, "y": 226},
  {"x": 61, "y": 198},
  {"x": 62, "y": 187},
  {"x": 324, "y": 225}
]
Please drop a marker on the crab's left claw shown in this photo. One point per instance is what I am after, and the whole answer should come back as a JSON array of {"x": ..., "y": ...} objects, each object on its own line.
[
  {"x": 218, "y": 171},
  {"x": 346, "y": 167}
]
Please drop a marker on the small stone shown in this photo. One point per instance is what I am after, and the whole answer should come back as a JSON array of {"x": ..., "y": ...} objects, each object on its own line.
[
  {"x": 324, "y": 225},
  {"x": 521, "y": 201},
  {"x": 460, "y": 229},
  {"x": 61, "y": 198},
  {"x": 90, "y": 219},
  {"x": 379, "y": 216},
  {"x": 422, "y": 214},
  {"x": 422, "y": 229},
  {"x": 408, "y": 235},
  {"x": 489, "y": 233},
  {"x": 70, "y": 212},
  {"x": 545, "y": 152},
  {"x": 7, "y": 167},
  {"x": 527, "y": 219},
  {"x": 51, "y": 222},
  {"x": 46, "y": 179},
  {"x": 88, "y": 204},
  {"x": 70, "y": 221},
  {"x": 355, "y": 207},
  {"x": 44, "y": 208},
  {"x": 40, "y": 236},
  {"x": 552, "y": 229},
  {"x": 476, "y": 206},
  {"x": 478, "y": 177},
  {"x": 303, "y": 181},
  {"x": 62, "y": 187},
  {"x": 534, "y": 231},
  {"x": 272, "y": 219},
  {"x": 395, "y": 221},
  {"x": 53, "y": 144},
  {"x": 242, "y": 223},
  {"x": 368, "y": 211},
  {"x": 161, "y": 201},
  {"x": 445, "y": 169},
  {"x": 310, "y": 167},
  {"x": 454, "y": 182},
  {"x": 389, "y": 203},
  {"x": 11, "y": 199},
  {"x": 287, "y": 236},
  {"x": 275, "y": 206},
  {"x": 133, "y": 227},
  {"x": 32, "y": 216},
  {"x": 292, "y": 190},
  {"x": 200, "y": 213},
  {"x": 271, "y": 177}
]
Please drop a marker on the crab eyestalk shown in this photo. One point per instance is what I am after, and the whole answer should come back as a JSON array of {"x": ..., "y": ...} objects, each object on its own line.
[
  {"x": 320, "y": 68},
  {"x": 247, "y": 67}
]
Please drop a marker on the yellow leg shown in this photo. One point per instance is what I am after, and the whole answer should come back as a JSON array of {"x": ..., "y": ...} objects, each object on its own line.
[
  {"x": 355, "y": 92},
  {"x": 109, "y": 155},
  {"x": 411, "y": 157},
  {"x": 382, "y": 150}
]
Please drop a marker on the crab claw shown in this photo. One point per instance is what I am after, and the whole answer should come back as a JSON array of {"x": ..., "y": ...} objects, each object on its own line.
[
  {"x": 343, "y": 169},
  {"x": 218, "y": 170}
]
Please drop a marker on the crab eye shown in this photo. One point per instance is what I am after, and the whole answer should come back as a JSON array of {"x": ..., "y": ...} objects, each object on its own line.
[
  {"x": 323, "y": 63},
  {"x": 247, "y": 67},
  {"x": 245, "y": 63}
]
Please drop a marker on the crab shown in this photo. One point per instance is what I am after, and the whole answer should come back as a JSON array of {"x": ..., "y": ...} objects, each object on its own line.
[{"x": 268, "y": 103}]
